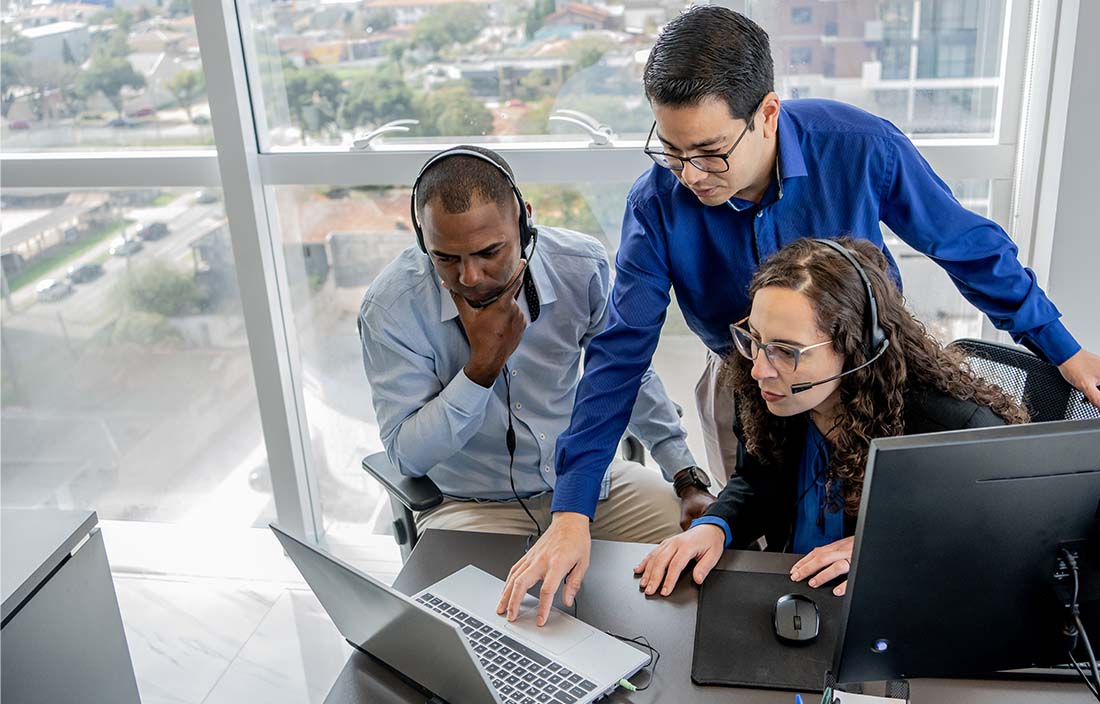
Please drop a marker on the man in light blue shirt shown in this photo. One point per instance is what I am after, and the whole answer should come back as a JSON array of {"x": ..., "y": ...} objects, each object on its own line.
[{"x": 472, "y": 334}]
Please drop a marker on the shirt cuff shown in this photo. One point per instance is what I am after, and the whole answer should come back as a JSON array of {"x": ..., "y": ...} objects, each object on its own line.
[
  {"x": 715, "y": 521},
  {"x": 466, "y": 395},
  {"x": 577, "y": 491},
  {"x": 671, "y": 456},
  {"x": 1051, "y": 341}
]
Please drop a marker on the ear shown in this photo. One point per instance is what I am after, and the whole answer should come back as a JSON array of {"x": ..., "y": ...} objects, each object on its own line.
[
  {"x": 768, "y": 115},
  {"x": 530, "y": 210}
]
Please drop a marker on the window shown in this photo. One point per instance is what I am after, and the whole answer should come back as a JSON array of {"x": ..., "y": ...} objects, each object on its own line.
[
  {"x": 801, "y": 56},
  {"x": 127, "y": 382},
  {"x": 802, "y": 15},
  {"x": 83, "y": 76}
]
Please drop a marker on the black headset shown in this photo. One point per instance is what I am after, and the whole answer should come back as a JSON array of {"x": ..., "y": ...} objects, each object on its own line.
[
  {"x": 528, "y": 235},
  {"x": 875, "y": 341}
]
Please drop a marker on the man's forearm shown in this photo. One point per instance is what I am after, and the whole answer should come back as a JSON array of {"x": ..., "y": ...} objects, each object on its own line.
[{"x": 441, "y": 427}]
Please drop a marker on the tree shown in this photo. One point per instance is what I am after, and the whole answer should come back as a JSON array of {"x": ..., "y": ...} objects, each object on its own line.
[
  {"x": 179, "y": 8},
  {"x": 118, "y": 45},
  {"x": 450, "y": 110},
  {"x": 123, "y": 19},
  {"x": 451, "y": 24},
  {"x": 109, "y": 75},
  {"x": 158, "y": 288},
  {"x": 378, "y": 19},
  {"x": 13, "y": 68},
  {"x": 67, "y": 53},
  {"x": 539, "y": 12},
  {"x": 185, "y": 87},
  {"x": 313, "y": 99},
  {"x": 378, "y": 96}
]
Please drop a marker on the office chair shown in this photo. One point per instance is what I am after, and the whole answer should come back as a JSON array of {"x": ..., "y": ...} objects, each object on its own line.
[
  {"x": 1036, "y": 383},
  {"x": 409, "y": 494}
]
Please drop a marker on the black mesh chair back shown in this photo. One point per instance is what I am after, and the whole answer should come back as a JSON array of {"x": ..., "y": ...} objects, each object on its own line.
[{"x": 1039, "y": 385}]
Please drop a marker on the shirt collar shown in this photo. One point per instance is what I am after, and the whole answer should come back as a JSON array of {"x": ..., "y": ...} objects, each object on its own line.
[
  {"x": 539, "y": 273},
  {"x": 789, "y": 162}
]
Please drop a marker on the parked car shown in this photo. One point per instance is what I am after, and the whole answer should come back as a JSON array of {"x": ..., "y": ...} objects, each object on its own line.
[
  {"x": 200, "y": 120},
  {"x": 153, "y": 231},
  {"x": 52, "y": 289},
  {"x": 85, "y": 273},
  {"x": 122, "y": 122},
  {"x": 19, "y": 125},
  {"x": 143, "y": 112},
  {"x": 124, "y": 247},
  {"x": 206, "y": 197}
]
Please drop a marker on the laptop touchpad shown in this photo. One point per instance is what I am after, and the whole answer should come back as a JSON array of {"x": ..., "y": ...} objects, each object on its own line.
[{"x": 558, "y": 635}]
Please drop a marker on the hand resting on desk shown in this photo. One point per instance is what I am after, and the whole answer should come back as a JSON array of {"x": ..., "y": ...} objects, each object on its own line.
[
  {"x": 826, "y": 563},
  {"x": 703, "y": 543}
]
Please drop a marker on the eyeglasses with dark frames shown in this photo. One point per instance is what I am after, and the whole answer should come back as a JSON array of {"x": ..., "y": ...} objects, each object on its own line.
[{"x": 709, "y": 163}]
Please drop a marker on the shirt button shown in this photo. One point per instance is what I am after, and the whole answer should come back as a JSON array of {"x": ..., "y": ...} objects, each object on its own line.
[
  {"x": 514, "y": 372},
  {"x": 545, "y": 469},
  {"x": 542, "y": 436},
  {"x": 519, "y": 406},
  {"x": 760, "y": 214}
]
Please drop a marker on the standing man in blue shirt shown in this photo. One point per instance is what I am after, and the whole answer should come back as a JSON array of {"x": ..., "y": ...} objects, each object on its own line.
[
  {"x": 736, "y": 177},
  {"x": 473, "y": 341}
]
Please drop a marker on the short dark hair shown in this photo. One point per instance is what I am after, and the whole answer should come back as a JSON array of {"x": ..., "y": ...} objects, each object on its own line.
[
  {"x": 456, "y": 180},
  {"x": 710, "y": 52}
]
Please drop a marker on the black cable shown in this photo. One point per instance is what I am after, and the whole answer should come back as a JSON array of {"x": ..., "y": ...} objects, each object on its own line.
[
  {"x": 1077, "y": 629},
  {"x": 510, "y": 440},
  {"x": 1091, "y": 655},
  {"x": 654, "y": 654},
  {"x": 1073, "y": 661}
]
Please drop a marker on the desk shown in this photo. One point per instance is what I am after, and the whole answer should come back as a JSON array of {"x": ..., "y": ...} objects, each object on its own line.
[
  {"x": 62, "y": 636},
  {"x": 610, "y": 600}
]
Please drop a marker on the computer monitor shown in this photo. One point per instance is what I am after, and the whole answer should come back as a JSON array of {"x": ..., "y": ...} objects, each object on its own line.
[{"x": 955, "y": 559}]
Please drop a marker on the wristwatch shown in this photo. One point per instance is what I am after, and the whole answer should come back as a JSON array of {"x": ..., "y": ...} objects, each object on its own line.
[{"x": 690, "y": 477}]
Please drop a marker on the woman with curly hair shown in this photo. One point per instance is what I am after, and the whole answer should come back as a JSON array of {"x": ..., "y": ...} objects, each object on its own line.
[{"x": 838, "y": 368}]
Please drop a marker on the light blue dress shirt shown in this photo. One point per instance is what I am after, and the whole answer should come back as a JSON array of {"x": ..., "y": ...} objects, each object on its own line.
[{"x": 434, "y": 420}]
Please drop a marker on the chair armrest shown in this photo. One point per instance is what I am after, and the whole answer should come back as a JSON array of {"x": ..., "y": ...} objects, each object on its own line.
[{"x": 416, "y": 493}]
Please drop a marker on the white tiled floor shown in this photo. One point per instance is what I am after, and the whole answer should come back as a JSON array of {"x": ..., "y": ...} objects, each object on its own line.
[{"x": 225, "y": 618}]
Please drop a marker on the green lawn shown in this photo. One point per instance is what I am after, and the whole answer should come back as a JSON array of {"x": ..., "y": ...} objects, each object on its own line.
[
  {"x": 164, "y": 199},
  {"x": 57, "y": 257}
]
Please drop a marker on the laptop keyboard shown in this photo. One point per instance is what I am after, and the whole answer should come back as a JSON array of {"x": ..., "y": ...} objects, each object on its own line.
[{"x": 520, "y": 675}]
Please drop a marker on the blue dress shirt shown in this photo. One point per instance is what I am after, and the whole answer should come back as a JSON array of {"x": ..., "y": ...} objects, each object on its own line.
[
  {"x": 819, "y": 516},
  {"x": 840, "y": 172},
  {"x": 434, "y": 420}
]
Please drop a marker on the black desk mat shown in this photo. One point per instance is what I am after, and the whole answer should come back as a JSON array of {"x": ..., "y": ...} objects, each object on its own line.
[{"x": 735, "y": 641}]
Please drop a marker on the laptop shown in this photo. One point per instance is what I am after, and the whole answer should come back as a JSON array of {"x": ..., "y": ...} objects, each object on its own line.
[{"x": 449, "y": 640}]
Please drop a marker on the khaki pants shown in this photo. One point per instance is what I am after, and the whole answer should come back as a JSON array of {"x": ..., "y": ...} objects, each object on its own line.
[
  {"x": 715, "y": 405},
  {"x": 642, "y": 508}
]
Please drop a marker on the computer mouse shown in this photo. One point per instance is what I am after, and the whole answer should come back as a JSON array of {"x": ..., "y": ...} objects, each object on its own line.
[{"x": 796, "y": 619}]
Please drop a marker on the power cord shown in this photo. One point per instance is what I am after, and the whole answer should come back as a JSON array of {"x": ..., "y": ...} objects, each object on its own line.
[
  {"x": 510, "y": 440},
  {"x": 1075, "y": 628}
]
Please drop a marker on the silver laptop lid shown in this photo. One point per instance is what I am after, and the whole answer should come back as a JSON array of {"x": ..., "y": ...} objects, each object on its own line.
[{"x": 417, "y": 643}]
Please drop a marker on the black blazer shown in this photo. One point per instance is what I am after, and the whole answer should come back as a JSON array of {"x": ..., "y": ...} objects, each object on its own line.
[{"x": 760, "y": 498}]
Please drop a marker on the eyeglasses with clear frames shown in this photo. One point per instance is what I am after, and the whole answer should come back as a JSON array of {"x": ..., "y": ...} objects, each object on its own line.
[{"x": 782, "y": 356}]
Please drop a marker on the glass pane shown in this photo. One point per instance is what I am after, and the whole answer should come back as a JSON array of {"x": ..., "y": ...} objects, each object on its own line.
[
  {"x": 127, "y": 382},
  {"x": 89, "y": 77},
  {"x": 329, "y": 74},
  {"x": 337, "y": 240}
]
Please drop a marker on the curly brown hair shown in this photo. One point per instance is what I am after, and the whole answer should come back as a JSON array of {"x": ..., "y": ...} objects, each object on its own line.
[{"x": 872, "y": 400}]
